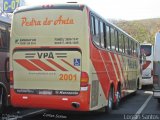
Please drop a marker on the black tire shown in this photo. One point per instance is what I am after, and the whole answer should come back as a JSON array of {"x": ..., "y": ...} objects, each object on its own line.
[
  {"x": 110, "y": 100},
  {"x": 7, "y": 69},
  {"x": 118, "y": 98},
  {"x": 138, "y": 83},
  {"x": 2, "y": 104},
  {"x": 158, "y": 100}
]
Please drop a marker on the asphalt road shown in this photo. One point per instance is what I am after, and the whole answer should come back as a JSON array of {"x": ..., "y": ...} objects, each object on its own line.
[{"x": 141, "y": 106}]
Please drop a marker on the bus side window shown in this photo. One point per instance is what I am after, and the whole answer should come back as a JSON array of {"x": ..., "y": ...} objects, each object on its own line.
[
  {"x": 1, "y": 41},
  {"x": 92, "y": 25},
  {"x": 112, "y": 39},
  {"x": 102, "y": 35},
  {"x": 126, "y": 45},
  {"x": 4, "y": 39},
  {"x": 121, "y": 43},
  {"x": 129, "y": 46},
  {"x": 107, "y": 37},
  {"x": 136, "y": 52},
  {"x": 133, "y": 48},
  {"x": 95, "y": 31},
  {"x": 116, "y": 41}
]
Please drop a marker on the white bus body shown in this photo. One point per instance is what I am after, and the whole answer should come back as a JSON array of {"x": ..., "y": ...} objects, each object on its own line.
[
  {"x": 156, "y": 68},
  {"x": 147, "y": 66}
]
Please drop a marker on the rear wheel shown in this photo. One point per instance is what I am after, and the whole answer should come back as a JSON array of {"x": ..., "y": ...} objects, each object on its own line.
[
  {"x": 2, "y": 106},
  {"x": 118, "y": 98},
  {"x": 139, "y": 86},
  {"x": 110, "y": 100}
]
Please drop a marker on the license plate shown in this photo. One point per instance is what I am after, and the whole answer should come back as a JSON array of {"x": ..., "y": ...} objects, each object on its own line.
[{"x": 45, "y": 92}]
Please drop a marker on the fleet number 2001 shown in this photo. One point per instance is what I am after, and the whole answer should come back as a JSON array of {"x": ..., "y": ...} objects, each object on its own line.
[{"x": 71, "y": 77}]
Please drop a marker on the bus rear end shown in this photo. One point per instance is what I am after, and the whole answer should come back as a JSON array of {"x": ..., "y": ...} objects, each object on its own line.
[
  {"x": 49, "y": 50},
  {"x": 147, "y": 66}
]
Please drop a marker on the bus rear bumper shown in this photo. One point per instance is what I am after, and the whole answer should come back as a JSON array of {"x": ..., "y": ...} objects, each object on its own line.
[
  {"x": 147, "y": 81},
  {"x": 79, "y": 102}
]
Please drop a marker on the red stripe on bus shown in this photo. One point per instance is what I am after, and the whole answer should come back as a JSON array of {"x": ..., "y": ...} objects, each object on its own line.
[
  {"x": 57, "y": 65},
  {"x": 28, "y": 65},
  {"x": 99, "y": 66},
  {"x": 109, "y": 65},
  {"x": 116, "y": 65},
  {"x": 120, "y": 63},
  {"x": 124, "y": 78},
  {"x": 42, "y": 65},
  {"x": 70, "y": 65},
  {"x": 146, "y": 64}
]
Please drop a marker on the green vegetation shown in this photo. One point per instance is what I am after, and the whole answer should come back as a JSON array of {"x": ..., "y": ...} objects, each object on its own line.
[{"x": 141, "y": 30}]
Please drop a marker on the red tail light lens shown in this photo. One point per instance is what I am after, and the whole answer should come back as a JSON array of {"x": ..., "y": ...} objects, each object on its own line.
[
  {"x": 11, "y": 77},
  {"x": 84, "y": 79}
]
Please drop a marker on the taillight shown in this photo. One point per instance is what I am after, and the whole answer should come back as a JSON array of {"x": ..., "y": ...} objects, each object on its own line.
[
  {"x": 11, "y": 77},
  {"x": 84, "y": 79},
  {"x": 155, "y": 79}
]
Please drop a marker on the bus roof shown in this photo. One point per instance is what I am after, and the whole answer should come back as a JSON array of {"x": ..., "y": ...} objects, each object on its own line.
[
  {"x": 50, "y": 6},
  {"x": 146, "y": 44}
]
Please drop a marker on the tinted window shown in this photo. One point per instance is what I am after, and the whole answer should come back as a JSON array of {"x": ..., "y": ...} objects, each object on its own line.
[
  {"x": 126, "y": 45},
  {"x": 108, "y": 37},
  {"x": 95, "y": 30},
  {"x": 129, "y": 46},
  {"x": 112, "y": 39},
  {"x": 116, "y": 41},
  {"x": 3, "y": 40},
  {"x": 146, "y": 49},
  {"x": 93, "y": 25},
  {"x": 102, "y": 34},
  {"x": 121, "y": 43}
]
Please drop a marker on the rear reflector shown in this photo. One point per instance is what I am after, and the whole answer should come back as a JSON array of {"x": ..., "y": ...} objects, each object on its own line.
[
  {"x": 11, "y": 77},
  {"x": 84, "y": 79}
]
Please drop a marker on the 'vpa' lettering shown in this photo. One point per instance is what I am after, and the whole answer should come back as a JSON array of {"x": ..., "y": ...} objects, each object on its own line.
[{"x": 45, "y": 55}]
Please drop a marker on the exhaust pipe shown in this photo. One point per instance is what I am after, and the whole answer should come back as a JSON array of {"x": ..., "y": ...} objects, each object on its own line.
[{"x": 75, "y": 104}]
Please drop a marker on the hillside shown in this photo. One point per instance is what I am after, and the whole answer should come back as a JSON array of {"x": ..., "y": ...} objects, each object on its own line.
[{"x": 142, "y": 30}]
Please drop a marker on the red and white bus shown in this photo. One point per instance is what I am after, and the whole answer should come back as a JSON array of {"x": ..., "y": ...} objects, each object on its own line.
[
  {"x": 67, "y": 57},
  {"x": 147, "y": 66},
  {"x": 5, "y": 24}
]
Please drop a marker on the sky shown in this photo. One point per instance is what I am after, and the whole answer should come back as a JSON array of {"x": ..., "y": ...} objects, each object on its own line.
[{"x": 116, "y": 9}]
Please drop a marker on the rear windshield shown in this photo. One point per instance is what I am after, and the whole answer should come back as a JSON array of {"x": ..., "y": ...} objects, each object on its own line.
[{"x": 146, "y": 49}]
